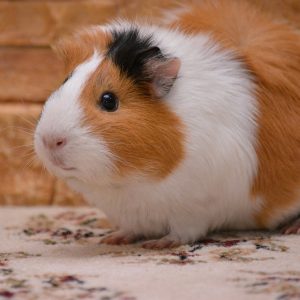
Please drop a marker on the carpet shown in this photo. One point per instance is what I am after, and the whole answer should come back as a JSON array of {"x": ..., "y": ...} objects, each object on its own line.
[{"x": 56, "y": 253}]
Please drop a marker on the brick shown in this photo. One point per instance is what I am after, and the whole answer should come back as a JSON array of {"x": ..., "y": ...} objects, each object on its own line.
[
  {"x": 23, "y": 181},
  {"x": 151, "y": 10},
  {"x": 28, "y": 74},
  {"x": 41, "y": 22}
]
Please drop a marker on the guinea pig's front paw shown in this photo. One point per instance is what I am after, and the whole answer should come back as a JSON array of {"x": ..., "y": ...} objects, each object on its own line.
[
  {"x": 120, "y": 238},
  {"x": 292, "y": 228},
  {"x": 163, "y": 243}
]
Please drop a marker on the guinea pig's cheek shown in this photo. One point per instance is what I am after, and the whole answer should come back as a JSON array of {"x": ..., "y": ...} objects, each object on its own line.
[
  {"x": 94, "y": 155},
  {"x": 147, "y": 146}
]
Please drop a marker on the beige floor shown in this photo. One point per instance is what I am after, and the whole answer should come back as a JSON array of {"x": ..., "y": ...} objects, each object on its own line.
[{"x": 55, "y": 253}]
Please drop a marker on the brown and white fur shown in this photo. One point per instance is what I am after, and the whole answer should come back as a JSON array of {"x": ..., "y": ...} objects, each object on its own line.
[{"x": 206, "y": 134}]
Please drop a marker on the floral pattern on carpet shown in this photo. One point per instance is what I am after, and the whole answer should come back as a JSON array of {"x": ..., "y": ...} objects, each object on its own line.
[{"x": 56, "y": 253}]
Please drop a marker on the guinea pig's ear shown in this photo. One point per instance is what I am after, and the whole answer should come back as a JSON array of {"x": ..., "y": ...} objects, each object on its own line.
[
  {"x": 164, "y": 74},
  {"x": 162, "y": 71}
]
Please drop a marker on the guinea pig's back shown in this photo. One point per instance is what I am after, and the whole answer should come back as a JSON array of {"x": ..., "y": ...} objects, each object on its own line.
[{"x": 270, "y": 50}]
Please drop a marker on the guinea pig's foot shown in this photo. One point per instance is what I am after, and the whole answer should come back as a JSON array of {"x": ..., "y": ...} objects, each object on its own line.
[
  {"x": 292, "y": 228},
  {"x": 120, "y": 238},
  {"x": 163, "y": 243}
]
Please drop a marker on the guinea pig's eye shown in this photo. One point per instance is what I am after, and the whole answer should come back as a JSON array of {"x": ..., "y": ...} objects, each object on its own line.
[{"x": 109, "y": 101}]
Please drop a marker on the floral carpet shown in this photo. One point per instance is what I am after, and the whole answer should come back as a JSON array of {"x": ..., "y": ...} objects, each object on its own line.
[{"x": 56, "y": 253}]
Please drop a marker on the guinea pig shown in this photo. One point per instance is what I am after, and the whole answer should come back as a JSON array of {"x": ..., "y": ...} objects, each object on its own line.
[{"x": 175, "y": 131}]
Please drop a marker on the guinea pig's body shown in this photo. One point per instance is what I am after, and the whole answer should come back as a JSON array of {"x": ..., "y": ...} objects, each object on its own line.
[{"x": 174, "y": 132}]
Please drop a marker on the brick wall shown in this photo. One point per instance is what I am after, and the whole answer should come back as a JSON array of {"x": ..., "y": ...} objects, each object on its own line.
[{"x": 29, "y": 71}]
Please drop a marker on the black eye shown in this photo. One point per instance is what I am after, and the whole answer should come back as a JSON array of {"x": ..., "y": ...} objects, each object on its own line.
[{"x": 109, "y": 101}]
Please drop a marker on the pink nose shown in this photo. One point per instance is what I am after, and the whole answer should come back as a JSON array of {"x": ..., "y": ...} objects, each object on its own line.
[{"x": 54, "y": 142}]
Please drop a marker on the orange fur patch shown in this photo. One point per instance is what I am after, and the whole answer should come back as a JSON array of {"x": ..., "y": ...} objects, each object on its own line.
[
  {"x": 272, "y": 53},
  {"x": 143, "y": 134}
]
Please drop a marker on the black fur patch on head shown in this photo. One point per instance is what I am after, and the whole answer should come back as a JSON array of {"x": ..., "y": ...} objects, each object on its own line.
[{"x": 130, "y": 52}]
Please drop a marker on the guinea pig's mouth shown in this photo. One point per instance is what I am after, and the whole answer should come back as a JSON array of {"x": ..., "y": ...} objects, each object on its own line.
[
  {"x": 68, "y": 168},
  {"x": 59, "y": 164},
  {"x": 63, "y": 167}
]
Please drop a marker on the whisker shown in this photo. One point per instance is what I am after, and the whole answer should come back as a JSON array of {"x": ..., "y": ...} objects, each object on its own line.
[
  {"x": 26, "y": 130},
  {"x": 43, "y": 170},
  {"x": 31, "y": 122},
  {"x": 28, "y": 155},
  {"x": 28, "y": 164},
  {"x": 23, "y": 146}
]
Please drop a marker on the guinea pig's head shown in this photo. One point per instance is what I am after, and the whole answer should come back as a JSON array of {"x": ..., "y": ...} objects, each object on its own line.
[{"x": 108, "y": 120}]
